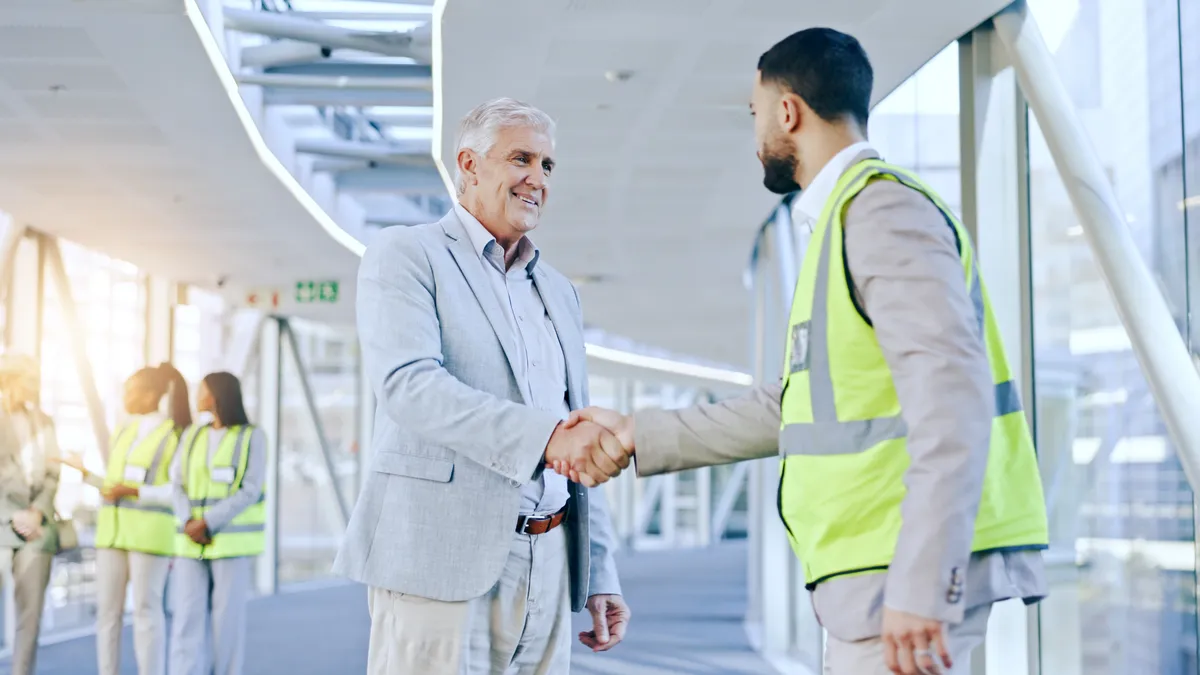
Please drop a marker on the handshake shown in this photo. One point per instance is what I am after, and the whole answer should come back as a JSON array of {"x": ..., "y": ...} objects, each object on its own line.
[{"x": 591, "y": 446}]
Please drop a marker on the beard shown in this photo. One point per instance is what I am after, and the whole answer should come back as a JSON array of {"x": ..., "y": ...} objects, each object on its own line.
[{"x": 779, "y": 166}]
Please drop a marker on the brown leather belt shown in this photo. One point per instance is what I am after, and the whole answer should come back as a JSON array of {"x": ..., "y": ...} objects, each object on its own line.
[{"x": 541, "y": 524}]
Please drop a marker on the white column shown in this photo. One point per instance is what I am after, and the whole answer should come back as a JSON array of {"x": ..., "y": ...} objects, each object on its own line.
[
  {"x": 22, "y": 330},
  {"x": 270, "y": 379},
  {"x": 995, "y": 211},
  {"x": 160, "y": 320}
]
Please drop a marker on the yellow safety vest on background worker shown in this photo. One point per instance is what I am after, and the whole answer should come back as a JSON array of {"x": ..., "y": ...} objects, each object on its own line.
[
  {"x": 843, "y": 438},
  {"x": 208, "y": 483},
  {"x": 128, "y": 524}
]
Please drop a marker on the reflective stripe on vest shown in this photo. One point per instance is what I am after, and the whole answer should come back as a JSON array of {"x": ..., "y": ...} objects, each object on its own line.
[
  {"x": 244, "y": 535},
  {"x": 127, "y": 524},
  {"x": 842, "y": 503}
]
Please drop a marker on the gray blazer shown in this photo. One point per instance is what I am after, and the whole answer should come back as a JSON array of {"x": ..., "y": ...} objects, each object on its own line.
[
  {"x": 454, "y": 441},
  {"x": 907, "y": 276},
  {"x": 17, "y": 493}
]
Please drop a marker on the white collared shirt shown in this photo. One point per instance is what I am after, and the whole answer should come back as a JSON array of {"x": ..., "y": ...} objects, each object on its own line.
[
  {"x": 540, "y": 367},
  {"x": 807, "y": 208}
]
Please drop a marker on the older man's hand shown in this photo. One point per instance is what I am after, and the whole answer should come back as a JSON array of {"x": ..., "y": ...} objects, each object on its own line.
[
  {"x": 619, "y": 425},
  {"x": 587, "y": 452}
]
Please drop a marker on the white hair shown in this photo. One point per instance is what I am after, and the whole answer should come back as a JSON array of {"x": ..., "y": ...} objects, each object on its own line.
[{"x": 478, "y": 128}]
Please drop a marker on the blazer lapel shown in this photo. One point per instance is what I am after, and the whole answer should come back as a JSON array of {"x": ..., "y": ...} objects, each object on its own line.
[
  {"x": 569, "y": 338},
  {"x": 472, "y": 269}
]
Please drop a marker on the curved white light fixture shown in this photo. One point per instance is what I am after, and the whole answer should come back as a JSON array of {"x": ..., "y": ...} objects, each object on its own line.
[
  {"x": 285, "y": 177},
  {"x": 435, "y": 71},
  {"x": 669, "y": 365},
  {"x": 268, "y": 158}
]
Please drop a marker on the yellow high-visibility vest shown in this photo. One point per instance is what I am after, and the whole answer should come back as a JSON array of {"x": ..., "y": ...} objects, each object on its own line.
[
  {"x": 843, "y": 439},
  {"x": 128, "y": 524},
  {"x": 208, "y": 483}
]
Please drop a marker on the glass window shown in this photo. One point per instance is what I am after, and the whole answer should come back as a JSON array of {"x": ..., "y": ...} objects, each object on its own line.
[
  {"x": 1123, "y": 572},
  {"x": 909, "y": 126}
]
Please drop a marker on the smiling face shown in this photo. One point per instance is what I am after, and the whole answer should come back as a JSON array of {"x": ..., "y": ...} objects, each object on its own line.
[{"x": 506, "y": 188}]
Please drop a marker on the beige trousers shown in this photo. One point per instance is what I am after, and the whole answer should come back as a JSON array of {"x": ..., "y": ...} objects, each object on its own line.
[
  {"x": 147, "y": 574},
  {"x": 522, "y": 626},
  {"x": 30, "y": 569},
  {"x": 865, "y": 657}
]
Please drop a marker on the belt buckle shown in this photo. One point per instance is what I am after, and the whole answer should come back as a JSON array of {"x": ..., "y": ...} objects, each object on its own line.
[{"x": 530, "y": 519}]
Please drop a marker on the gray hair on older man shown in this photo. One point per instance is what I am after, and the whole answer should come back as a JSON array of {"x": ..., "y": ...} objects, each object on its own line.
[{"x": 478, "y": 128}]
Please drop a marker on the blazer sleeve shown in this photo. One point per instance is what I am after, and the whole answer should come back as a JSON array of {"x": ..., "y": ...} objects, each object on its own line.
[
  {"x": 400, "y": 334},
  {"x": 731, "y": 430},
  {"x": 43, "y": 501},
  {"x": 602, "y": 544},
  {"x": 903, "y": 259}
]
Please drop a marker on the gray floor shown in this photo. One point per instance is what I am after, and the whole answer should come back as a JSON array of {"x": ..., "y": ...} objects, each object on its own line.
[{"x": 687, "y": 606}]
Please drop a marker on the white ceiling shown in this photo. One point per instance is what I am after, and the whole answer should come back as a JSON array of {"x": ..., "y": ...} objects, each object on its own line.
[
  {"x": 116, "y": 133},
  {"x": 657, "y": 187}
]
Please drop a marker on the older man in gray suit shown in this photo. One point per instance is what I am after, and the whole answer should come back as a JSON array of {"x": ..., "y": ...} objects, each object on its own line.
[
  {"x": 888, "y": 504},
  {"x": 474, "y": 553},
  {"x": 29, "y": 476}
]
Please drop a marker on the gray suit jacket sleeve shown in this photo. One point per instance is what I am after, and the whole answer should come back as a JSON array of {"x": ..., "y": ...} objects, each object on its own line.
[
  {"x": 732, "y": 430},
  {"x": 904, "y": 262},
  {"x": 44, "y": 499},
  {"x": 602, "y": 539},
  {"x": 401, "y": 340},
  {"x": 221, "y": 513}
]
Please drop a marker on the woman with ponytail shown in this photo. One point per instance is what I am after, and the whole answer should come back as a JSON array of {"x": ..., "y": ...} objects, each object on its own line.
[{"x": 135, "y": 535}]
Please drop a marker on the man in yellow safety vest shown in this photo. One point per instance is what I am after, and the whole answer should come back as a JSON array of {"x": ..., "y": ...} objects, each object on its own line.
[{"x": 909, "y": 484}]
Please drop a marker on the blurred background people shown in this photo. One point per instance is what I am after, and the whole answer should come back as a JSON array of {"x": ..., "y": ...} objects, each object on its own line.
[
  {"x": 135, "y": 534},
  {"x": 28, "y": 485},
  {"x": 221, "y": 466}
]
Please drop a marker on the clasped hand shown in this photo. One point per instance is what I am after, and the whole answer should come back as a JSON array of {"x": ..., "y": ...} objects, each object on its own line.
[
  {"x": 28, "y": 524},
  {"x": 591, "y": 446}
]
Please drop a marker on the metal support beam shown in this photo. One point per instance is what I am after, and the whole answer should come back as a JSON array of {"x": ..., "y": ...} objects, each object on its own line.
[
  {"x": 729, "y": 496},
  {"x": 359, "y": 69},
  {"x": 400, "y": 119},
  {"x": 283, "y": 53},
  {"x": 75, "y": 332},
  {"x": 392, "y": 179},
  {"x": 363, "y": 16},
  {"x": 311, "y": 402},
  {"x": 1155, "y": 338},
  {"x": 336, "y": 82},
  {"x": 270, "y": 392},
  {"x": 347, "y": 97},
  {"x": 402, "y": 152},
  {"x": 413, "y": 44},
  {"x": 995, "y": 207}
]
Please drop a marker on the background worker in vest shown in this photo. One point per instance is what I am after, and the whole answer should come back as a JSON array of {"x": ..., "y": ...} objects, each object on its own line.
[
  {"x": 135, "y": 534},
  {"x": 909, "y": 486},
  {"x": 28, "y": 486},
  {"x": 221, "y": 467}
]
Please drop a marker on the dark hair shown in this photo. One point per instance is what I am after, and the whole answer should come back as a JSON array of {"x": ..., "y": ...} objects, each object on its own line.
[
  {"x": 226, "y": 391},
  {"x": 165, "y": 380},
  {"x": 826, "y": 68}
]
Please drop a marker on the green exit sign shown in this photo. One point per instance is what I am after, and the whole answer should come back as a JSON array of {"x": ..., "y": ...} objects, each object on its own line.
[{"x": 316, "y": 291}]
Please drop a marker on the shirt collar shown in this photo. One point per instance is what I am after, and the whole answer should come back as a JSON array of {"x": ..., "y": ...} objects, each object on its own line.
[
  {"x": 811, "y": 202},
  {"x": 488, "y": 249}
]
